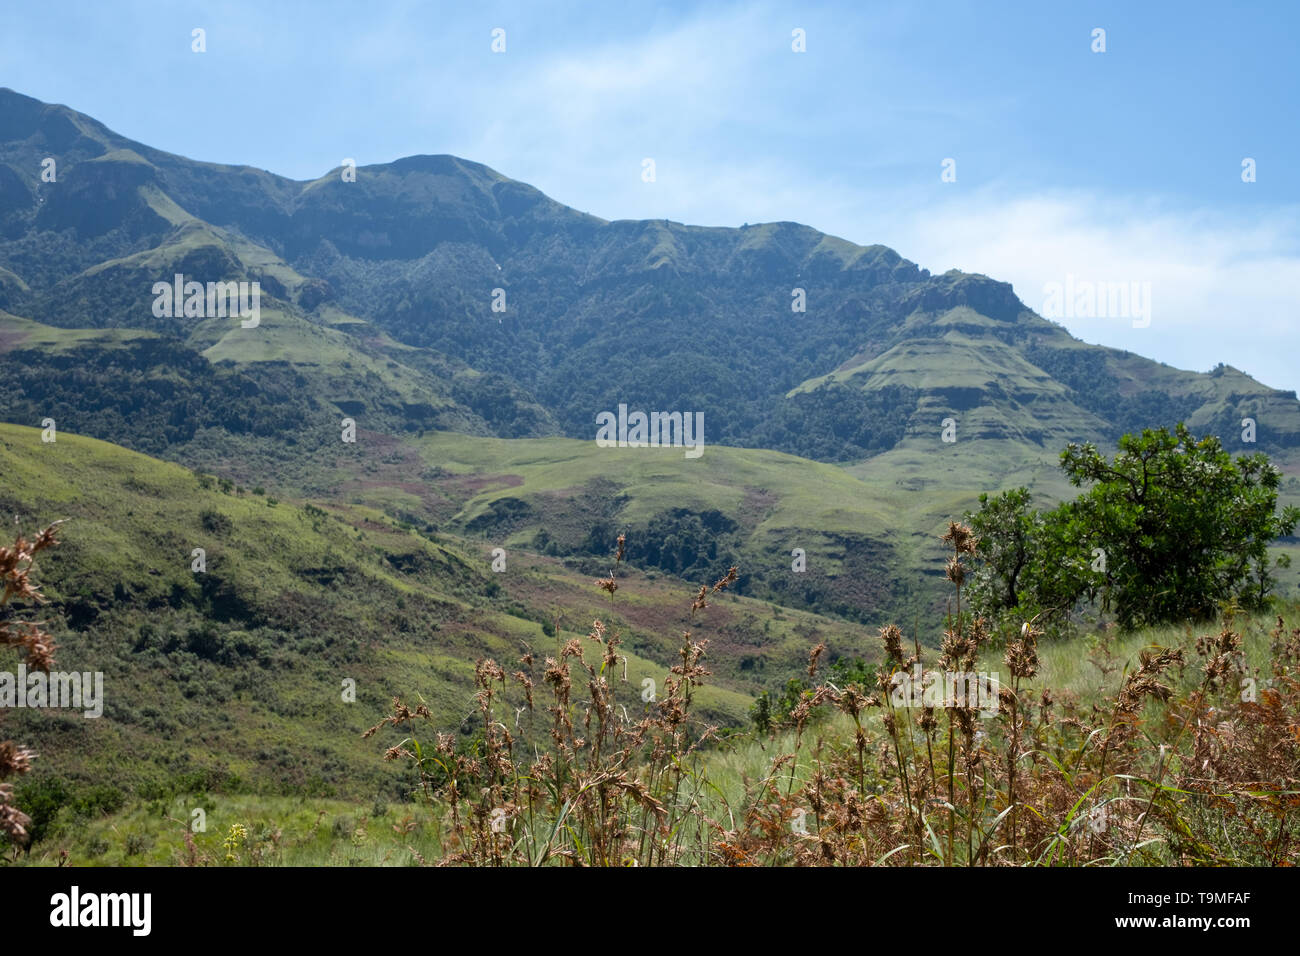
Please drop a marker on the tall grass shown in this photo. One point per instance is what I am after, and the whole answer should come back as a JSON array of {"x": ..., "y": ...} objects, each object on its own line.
[
  {"x": 1178, "y": 745},
  {"x": 36, "y": 648},
  {"x": 1190, "y": 757}
]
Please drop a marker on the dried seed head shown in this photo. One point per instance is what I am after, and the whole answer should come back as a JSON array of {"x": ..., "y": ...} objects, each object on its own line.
[
  {"x": 814, "y": 657},
  {"x": 955, "y": 571},
  {"x": 892, "y": 638},
  {"x": 960, "y": 537}
]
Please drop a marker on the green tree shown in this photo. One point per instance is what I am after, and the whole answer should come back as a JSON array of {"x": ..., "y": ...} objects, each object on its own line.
[
  {"x": 1167, "y": 530},
  {"x": 1006, "y": 528},
  {"x": 1183, "y": 525},
  {"x": 1030, "y": 565}
]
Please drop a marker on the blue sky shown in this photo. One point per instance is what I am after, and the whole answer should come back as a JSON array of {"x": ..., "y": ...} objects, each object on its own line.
[{"x": 1114, "y": 167}]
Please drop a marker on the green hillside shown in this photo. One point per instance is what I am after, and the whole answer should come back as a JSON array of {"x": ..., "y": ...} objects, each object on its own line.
[
  {"x": 378, "y": 307},
  {"x": 235, "y": 674},
  {"x": 794, "y": 340},
  {"x": 271, "y": 532}
]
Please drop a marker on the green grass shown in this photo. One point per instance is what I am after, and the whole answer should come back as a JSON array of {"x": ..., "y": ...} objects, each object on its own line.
[
  {"x": 16, "y": 332},
  {"x": 315, "y": 831},
  {"x": 812, "y": 496},
  {"x": 237, "y": 672},
  {"x": 279, "y": 831}
]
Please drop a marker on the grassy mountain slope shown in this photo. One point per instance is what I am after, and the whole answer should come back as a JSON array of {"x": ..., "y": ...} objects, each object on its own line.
[
  {"x": 823, "y": 429},
  {"x": 870, "y": 531},
  {"x": 377, "y": 307},
  {"x": 234, "y": 675},
  {"x": 652, "y": 313},
  {"x": 305, "y": 830}
]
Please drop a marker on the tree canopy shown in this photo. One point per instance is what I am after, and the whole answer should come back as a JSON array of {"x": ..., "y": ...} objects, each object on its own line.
[{"x": 1166, "y": 530}]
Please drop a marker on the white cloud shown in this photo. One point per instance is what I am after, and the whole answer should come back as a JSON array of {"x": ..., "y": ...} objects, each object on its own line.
[
  {"x": 742, "y": 130},
  {"x": 578, "y": 122},
  {"x": 1224, "y": 286}
]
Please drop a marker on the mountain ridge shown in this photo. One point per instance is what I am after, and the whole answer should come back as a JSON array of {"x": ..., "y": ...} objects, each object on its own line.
[
  {"x": 474, "y": 433},
  {"x": 569, "y": 314}
]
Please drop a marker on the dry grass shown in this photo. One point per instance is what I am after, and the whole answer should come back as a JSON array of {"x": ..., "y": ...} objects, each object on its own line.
[
  {"x": 1144, "y": 775},
  {"x": 35, "y": 646}
]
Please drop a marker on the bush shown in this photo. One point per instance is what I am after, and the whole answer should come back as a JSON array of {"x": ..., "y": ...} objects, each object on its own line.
[
  {"x": 98, "y": 800},
  {"x": 1171, "y": 529},
  {"x": 215, "y": 521},
  {"x": 41, "y": 799}
]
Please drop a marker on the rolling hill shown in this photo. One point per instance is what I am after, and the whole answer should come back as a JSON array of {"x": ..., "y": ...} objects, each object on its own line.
[
  {"x": 233, "y": 674},
  {"x": 378, "y": 306},
  {"x": 398, "y": 272},
  {"x": 371, "y": 560}
]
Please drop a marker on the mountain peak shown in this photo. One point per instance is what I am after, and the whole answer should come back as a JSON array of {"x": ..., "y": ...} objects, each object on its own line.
[
  {"x": 954, "y": 289},
  {"x": 811, "y": 343}
]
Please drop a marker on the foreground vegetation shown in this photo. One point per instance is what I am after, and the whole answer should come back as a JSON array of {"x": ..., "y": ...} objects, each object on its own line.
[
  {"x": 1173, "y": 745},
  {"x": 1190, "y": 755}
]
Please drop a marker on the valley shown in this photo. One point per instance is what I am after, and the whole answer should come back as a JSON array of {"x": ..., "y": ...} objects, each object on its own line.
[{"x": 380, "y": 404}]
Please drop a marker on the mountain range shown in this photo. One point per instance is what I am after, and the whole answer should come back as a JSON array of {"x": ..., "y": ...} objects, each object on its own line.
[
  {"x": 472, "y": 329},
  {"x": 379, "y": 293}
]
